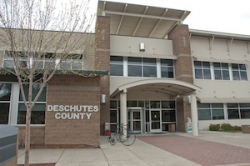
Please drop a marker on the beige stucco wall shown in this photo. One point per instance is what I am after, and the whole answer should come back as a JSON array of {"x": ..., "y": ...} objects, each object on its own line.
[
  {"x": 221, "y": 51},
  {"x": 129, "y": 46}
]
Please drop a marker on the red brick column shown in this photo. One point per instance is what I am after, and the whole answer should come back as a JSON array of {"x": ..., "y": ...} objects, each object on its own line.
[
  {"x": 183, "y": 70},
  {"x": 103, "y": 63}
]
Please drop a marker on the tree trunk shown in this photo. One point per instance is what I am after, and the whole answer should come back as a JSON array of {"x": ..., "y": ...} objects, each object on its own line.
[{"x": 27, "y": 137}]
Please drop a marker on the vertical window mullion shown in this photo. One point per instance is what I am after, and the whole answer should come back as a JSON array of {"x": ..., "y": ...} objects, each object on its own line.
[
  {"x": 212, "y": 71},
  {"x": 125, "y": 66},
  {"x": 15, "y": 92},
  {"x": 225, "y": 111},
  {"x": 158, "y": 68},
  {"x": 230, "y": 72},
  {"x": 239, "y": 111}
]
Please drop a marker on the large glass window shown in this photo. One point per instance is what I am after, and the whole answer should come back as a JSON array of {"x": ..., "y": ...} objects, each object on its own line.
[
  {"x": 221, "y": 71},
  {"x": 245, "y": 110},
  {"x": 202, "y": 70},
  {"x": 5, "y": 93},
  {"x": 167, "y": 68},
  {"x": 142, "y": 67},
  {"x": 204, "y": 112},
  {"x": 38, "y": 111},
  {"x": 239, "y": 71},
  {"x": 213, "y": 111},
  {"x": 149, "y": 67},
  {"x": 116, "y": 66}
]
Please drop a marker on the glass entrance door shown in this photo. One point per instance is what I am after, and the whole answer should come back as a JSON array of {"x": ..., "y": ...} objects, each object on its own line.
[
  {"x": 155, "y": 121},
  {"x": 135, "y": 119}
]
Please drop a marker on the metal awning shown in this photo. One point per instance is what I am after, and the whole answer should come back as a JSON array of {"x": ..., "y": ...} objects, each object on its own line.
[{"x": 140, "y": 21}]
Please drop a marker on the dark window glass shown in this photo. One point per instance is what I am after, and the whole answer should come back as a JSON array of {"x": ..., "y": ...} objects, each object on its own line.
[
  {"x": 5, "y": 91},
  {"x": 217, "y": 74},
  {"x": 37, "y": 114},
  {"x": 245, "y": 113},
  {"x": 35, "y": 90},
  {"x": 167, "y": 72},
  {"x": 168, "y": 116},
  {"x": 113, "y": 116},
  {"x": 155, "y": 104},
  {"x": 218, "y": 114},
  {"x": 167, "y": 104},
  {"x": 167, "y": 62},
  {"x": 198, "y": 73},
  {"x": 116, "y": 66},
  {"x": 239, "y": 72},
  {"x": 149, "y": 71},
  {"x": 134, "y": 61},
  {"x": 131, "y": 103},
  {"x": 233, "y": 113},
  {"x": 113, "y": 104},
  {"x": 236, "y": 75},
  {"x": 4, "y": 113},
  {"x": 204, "y": 114},
  {"x": 207, "y": 74},
  {"x": 116, "y": 70},
  {"x": 202, "y": 70},
  {"x": 149, "y": 61},
  {"x": 135, "y": 71}
]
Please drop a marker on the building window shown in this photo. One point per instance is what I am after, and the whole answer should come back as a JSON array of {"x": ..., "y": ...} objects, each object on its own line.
[
  {"x": 239, "y": 71},
  {"x": 202, "y": 70},
  {"x": 238, "y": 111},
  {"x": 233, "y": 111},
  {"x": 167, "y": 68},
  {"x": 38, "y": 111},
  {"x": 221, "y": 71},
  {"x": 142, "y": 67},
  {"x": 47, "y": 60},
  {"x": 207, "y": 111},
  {"x": 5, "y": 96},
  {"x": 245, "y": 110},
  {"x": 116, "y": 66}
]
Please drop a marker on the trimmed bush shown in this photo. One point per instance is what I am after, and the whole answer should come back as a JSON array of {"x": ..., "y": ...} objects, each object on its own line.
[
  {"x": 214, "y": 127},
  {"x": 227, "y": 127},
  {"x": 237, "y": 128}
]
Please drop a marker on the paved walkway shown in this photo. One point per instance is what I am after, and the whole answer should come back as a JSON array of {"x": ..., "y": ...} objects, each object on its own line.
[{"x": 139, "y": 154}]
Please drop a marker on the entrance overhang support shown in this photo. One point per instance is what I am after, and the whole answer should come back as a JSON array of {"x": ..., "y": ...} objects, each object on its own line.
[
  {"x": 194, "y": 114},
  {"x": 124, "y": 115}
]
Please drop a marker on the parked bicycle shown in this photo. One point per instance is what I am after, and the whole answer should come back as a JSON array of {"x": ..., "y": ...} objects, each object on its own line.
[{"x": 123, "y": 135}]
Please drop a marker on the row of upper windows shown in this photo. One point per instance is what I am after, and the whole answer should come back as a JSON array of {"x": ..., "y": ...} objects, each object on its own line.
[
  {"x": 219, "y": 71},
  {"x": 164, "y": 68},
  {"x": 217, "y": 111},
  {"x": 141, "y": 67}
]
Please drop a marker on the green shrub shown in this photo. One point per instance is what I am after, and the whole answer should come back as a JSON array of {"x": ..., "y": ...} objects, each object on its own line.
[
  {"x": 237, "y": 128},
  {"x": 227, "y": 127},
  {"x": 214, "y": 127}
]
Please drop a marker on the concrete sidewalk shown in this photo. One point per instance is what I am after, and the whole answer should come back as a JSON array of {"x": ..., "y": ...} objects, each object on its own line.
[{"x": 139, "y": 154}]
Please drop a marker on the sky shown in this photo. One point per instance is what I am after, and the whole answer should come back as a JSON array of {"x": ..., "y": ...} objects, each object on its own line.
[{"x": 229, "y": 16}]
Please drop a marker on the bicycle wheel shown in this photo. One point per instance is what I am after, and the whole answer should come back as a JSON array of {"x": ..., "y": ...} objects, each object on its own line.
[
  {"x": 112, "y": 142},
  {"x": 109, "y": 138},
  {"x": 130, "y": 138}
]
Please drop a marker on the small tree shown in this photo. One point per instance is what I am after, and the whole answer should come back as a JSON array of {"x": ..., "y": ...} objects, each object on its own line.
[{"x": 35, "y": 52}]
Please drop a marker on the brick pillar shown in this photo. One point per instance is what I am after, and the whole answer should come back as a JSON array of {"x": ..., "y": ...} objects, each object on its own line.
[
  {"x": 102, "y": 62},
  {"x": 183, "y": 69}
]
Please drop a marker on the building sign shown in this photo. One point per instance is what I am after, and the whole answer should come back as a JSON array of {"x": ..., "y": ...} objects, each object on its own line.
[{"x": 73, "y": 111}]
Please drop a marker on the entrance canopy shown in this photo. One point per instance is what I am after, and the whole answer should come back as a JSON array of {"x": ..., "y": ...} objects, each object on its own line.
[
  {"x": 140, "y": 21},
  {"x": 169, "y": 87}
]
